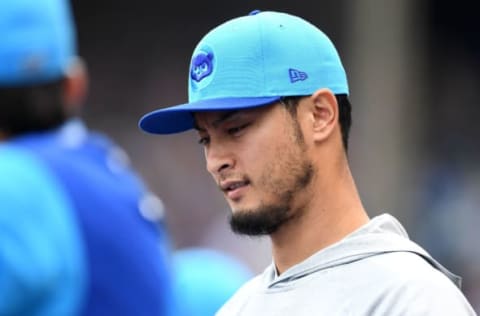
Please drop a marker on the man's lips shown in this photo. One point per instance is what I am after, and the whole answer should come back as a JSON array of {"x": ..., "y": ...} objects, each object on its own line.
[
  {"x": 232, "y": 185},
  {"x": 234, "y": 190}
]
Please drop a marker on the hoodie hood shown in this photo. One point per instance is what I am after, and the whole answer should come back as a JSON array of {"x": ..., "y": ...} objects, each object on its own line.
[{"x": 382, "y": 234}]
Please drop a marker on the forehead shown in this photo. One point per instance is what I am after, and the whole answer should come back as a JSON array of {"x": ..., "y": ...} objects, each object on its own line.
[{"x": 212, "y": 119}]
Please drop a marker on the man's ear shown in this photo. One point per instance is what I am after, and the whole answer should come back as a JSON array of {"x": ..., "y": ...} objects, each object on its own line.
[
  {"x": 324, "y": 113},
  {"x": 75, "y": 85}
]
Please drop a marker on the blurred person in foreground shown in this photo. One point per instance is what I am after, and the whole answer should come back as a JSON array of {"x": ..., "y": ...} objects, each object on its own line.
[
  {"x": 73, "y": 240},
  {"x": 268, "y": 96},
  {"x": 204, "y": 279}
]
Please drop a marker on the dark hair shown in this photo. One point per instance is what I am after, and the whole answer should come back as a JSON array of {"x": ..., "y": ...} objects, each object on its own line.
[
  {"x": 344, "y": 113},
  {"x": 31, "y": 108}
]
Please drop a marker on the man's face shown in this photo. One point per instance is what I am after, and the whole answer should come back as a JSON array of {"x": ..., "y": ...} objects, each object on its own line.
[{"x": 258, "y": 159}]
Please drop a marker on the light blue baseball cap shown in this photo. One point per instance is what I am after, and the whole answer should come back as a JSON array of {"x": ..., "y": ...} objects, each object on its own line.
[
  {"x": 37, "y": 41},
  {"x": 252, "y": 61}
]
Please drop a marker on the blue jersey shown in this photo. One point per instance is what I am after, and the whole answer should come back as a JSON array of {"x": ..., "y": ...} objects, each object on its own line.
[
  {"x": 127, "y": 255},
  {"x": 42, "y": 271}
]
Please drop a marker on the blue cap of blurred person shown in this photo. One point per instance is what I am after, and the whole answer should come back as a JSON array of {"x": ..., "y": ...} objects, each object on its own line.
[
  {"x": 37, "y": 41},
  {"x": 204, "y": 279}
]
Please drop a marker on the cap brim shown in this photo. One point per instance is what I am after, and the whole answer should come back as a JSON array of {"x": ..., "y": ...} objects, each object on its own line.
[{"x": 179, "y": 118}]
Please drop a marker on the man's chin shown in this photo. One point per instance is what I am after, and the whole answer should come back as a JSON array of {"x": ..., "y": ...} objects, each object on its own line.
[
  {"x": 242, "y": 207},
  {"x": 242, "y": 210},
  {"x": 257, "y": 222}
]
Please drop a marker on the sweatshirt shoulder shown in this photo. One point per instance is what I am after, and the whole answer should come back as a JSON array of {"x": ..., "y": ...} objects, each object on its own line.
[
  {"x": 409, "y": 284},
  {"x": 235, "y": 304}
]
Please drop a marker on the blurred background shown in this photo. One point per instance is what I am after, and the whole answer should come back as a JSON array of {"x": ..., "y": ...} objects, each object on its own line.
[{"x": 414, "y": 73}]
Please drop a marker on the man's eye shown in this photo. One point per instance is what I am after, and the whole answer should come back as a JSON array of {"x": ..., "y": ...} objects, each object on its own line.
[
  {"x": 236, "y": 129},
  {"x": 204, "y": 141}
]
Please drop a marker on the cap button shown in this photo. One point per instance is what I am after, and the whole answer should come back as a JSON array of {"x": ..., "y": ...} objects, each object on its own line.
[{"x": 254, "y": 12}]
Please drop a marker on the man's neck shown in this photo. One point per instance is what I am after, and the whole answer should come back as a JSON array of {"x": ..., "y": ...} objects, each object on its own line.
[{"x": 334, "y": 211}]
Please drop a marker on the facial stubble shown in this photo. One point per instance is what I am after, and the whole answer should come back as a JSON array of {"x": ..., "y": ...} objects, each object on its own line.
[{"x": 298, "y": 172}]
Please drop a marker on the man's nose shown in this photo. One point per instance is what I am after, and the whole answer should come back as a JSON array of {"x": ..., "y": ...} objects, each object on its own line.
[{"x": 219, "y": 159}]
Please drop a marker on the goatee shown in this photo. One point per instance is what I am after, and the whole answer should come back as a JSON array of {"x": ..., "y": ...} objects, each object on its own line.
[{"x": 267, "y": 219}]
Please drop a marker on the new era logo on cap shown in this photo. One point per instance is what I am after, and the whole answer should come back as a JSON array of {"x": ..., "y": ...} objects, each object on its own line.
[{"x": 296, "y": 75}]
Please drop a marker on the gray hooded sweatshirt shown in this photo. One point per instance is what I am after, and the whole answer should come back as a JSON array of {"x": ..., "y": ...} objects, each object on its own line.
[{"x": 374, "y": 271}]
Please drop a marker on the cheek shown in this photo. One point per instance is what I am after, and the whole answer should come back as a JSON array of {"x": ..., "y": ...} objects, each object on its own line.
[
  {"x": 259, "y": 155},
  {"x": 268, "y": 163}
]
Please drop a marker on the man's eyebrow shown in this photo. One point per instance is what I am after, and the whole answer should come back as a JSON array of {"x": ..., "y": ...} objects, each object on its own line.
[{"x": 223, "y": 117}]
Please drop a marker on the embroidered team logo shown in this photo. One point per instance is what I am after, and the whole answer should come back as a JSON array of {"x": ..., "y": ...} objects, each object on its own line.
[
  {"x": 201, "y": 66},
  {"x": 296, "y": 75}
]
